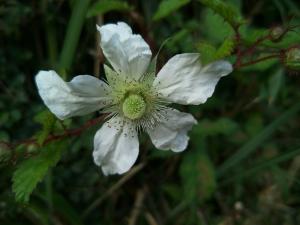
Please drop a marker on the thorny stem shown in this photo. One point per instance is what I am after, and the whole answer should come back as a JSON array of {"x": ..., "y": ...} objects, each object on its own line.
[
  {"x": 252, "y": 62},
  {"x": 53, "y": 137},
  {"x": 238, "y": 45},
  {"x": 251, "y": 50}
]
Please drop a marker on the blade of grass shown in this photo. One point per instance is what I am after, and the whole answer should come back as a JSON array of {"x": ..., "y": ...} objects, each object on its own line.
[
  {"x": 256, "y": 141},
  {"x": 49, "y": 194},
  {"x": 51, "y": 44},
  {"x": 261, "y": 166},
  {"x": 72, "y": 36}
]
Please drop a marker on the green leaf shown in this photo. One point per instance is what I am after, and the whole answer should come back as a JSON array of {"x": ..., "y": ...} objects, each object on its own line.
[
  {"x": 207, "y": 52},
  {"x": 166, "y": 7},
  {"x": 216, "y": 29},
  {"x": 225, "y": 49},
  {"x": 250, "y": 35},
  {"x": 104, "y": 6},
  {"x": 229, "y": 13},
  {"x": 47, "y": 120},
  {"x": 30, "y": 172},
  {"x": 198, "y": 176}
]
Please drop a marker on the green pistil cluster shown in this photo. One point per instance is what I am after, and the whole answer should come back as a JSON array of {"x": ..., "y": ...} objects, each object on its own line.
[
  {"x": 134, "y": 107},
  {"x": 133, "y": 99}
]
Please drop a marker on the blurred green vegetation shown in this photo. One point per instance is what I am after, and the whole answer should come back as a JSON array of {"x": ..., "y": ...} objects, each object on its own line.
[{"x": 242, "y": 164}]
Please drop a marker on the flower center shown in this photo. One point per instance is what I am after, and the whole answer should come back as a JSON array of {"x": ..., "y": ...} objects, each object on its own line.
[{"x": 134, "y": 106}]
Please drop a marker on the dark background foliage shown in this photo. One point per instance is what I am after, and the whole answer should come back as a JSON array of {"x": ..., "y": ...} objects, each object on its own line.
[{"x": 242, "y": 164}]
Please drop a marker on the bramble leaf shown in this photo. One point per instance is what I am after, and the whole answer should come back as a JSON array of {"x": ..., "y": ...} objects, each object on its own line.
[
  {"x": 198, "y": 176},
  {"x": 47, "y": 120},
  {"x": 209, "y": 53},
  {"x": 168, "y": 6},
  {"x": 225, "y": 49},
  {"x": 30, "y": 172},
  {"x": 228, "y": 12}
]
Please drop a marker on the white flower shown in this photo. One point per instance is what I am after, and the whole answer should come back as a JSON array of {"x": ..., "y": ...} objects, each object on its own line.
[{"x": 135, "y": 99}]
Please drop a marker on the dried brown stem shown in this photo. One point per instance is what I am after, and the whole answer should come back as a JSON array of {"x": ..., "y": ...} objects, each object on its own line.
[
  {"x": 138, "y": 204},
  {"x": 114, "y": 188}
]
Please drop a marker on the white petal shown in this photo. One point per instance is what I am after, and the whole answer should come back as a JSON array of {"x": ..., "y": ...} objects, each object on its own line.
[
  {"x": 128, "y": 53},
  {"x": 116, "y": 146},
  {"x": 84, "y": 94},
  {"x": 172, "y": 132},
  {"x": 183, "y": 80}
]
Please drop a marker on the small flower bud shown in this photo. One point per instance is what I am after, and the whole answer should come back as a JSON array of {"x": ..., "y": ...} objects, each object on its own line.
[
  {"x": 276, "y": 33},
  {"x": 292, "y": 59},
  {"x": 5, "y": 154},
  {"x": 32, "y": 149}
]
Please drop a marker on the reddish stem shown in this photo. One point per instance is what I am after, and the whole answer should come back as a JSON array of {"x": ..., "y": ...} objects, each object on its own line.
[
  {"x": 257, "y": 61},
  {"x": 53, "y": 137},
  {"x": 251, "y": 49},
  {"x": 138, "y": 19}
]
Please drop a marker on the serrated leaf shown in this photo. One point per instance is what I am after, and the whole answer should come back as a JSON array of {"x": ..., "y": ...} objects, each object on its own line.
[
  {"x": 225, "y": 49},
  {"x": 105, "y": 6},
  {"x": 30, "y": 172},
  {"x": 250, "y": 34},
  {"x": 216, "y": 29},
  {"x": 166, "y": 7},
  {"x": 47, "y": 120},
  {"x": 207, "y": 52},
  {"x": 226, "y": 11}
]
